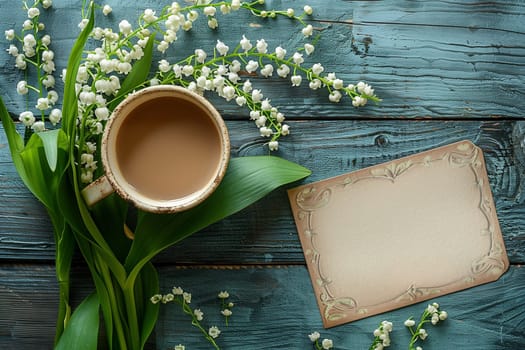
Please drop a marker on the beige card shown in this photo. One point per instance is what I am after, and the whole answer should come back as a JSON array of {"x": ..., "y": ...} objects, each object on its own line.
[{"x": 399, "y": 233}]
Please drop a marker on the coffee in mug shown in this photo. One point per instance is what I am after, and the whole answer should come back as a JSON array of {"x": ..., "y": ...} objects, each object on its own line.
[{"x": 165, "y": 149}]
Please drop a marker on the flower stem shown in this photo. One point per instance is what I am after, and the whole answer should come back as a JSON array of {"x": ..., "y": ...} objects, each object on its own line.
[{"x": 188, "y": 311}]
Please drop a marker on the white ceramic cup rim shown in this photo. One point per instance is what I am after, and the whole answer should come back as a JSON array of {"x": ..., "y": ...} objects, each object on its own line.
[{"x": 109, "y": 154}]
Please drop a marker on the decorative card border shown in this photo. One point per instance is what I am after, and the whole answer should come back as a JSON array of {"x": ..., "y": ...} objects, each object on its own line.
[{"x": 309, "y": 202}]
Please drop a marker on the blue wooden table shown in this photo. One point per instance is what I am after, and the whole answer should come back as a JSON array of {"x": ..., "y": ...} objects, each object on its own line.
[{"x": 446, "y": 71}]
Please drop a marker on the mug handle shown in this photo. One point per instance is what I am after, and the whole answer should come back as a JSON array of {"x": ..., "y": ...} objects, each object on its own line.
[{"x": 97, "y": 190}]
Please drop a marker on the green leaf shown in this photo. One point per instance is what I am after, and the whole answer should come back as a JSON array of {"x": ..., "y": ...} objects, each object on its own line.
[
  {"x": 64, "y": 248},
  {"x": 149, "y": 312},
  {"x": 52, "y": 141},
  {"x": 79, "y": 216},
  {"x": 102, "y": 289},
  {"x": 41, "y": 180},
  {"x": 247, "y": 180},
  {"x": 115, "y": 208},
  {"x": 81, "y": 333},
  {"x": 69, "y": 109},
  {"x": 16, "y": 142}
]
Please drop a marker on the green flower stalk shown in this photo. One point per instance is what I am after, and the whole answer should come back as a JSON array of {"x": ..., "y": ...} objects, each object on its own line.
[
  {"x": 226, "y": 306},
  {"x": 319, "y": 344},
  {"x": 382, "y": 336},
  {"x": 183, "y": 299},
  {"x": 432, "y": 315}
]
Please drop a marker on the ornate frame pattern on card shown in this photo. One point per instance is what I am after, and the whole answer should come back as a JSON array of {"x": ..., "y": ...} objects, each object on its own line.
[{"x": 310, "y": 202}]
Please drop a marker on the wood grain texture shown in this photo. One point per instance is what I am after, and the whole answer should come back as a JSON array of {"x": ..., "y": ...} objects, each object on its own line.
[
  {"x": 446, "y": 71},
  {"x": 273, "y": 307},
  {"x": 266, "y": 232},
  {"x": 426, "y": 60}
]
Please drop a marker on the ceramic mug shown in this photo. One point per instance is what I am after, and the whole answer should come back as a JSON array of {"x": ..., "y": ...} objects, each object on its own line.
[{"x": 165, "y": 149}]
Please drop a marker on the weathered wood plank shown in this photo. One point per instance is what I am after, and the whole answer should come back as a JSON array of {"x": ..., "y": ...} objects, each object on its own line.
[
  {"x": 279, "y": 302},
  {"x": 272, "y": 306},
  {"x": 459, "y": 64},
  {"x": 440, "y": 60},
  {"x": 266, "y": 232}
]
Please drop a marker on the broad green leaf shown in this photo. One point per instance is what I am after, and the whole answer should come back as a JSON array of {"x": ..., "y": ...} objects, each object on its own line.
[
  {"x": 81, "y": 333},
  {"x": 16, "y": 143},
  {"x": 42, "y": 181},
  {"x": 100, "y": 285},
  {"x": 247, "y": 180},
  {"x": 37, "y": 170},
  {"x": 149, "y": 312},
  {"x": 53, "y": 140},
  {"x": 116, "y": 208},
  {"x": 65, "y": 246},
  {"x": 78, "y": 214}
]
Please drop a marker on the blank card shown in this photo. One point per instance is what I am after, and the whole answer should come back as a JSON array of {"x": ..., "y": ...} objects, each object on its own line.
[{"x": 399, "y": 233}]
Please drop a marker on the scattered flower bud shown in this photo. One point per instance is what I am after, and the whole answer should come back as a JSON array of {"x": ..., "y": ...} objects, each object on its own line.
[
  {"x": 262, "y": 46},
  {"x": 267, "y": 70},
  {"x": 55, "y": 116},
  {"x": 42, "y": 104},
  {"x": 82, "y": 24},
  {"x": 200, "y": 55},
  {"x": 209, "y": 11},
  {"x": 149, "y": 16},
  {"x": 226, "y": 312},
  {"x": 296, "y": 80},
  {"x": 252, "y": 66},
  {"x": 327, "y": 344},
  {"x": 283, "y": 70},
  {"x": 20, "y": 62},
  {"x": 309, "y": 49},
  {"x": 308, "y": 30},
  {"x": 125, "y": 27},
  {"x": 21, "y": 87},
  {"x": 10, "y": 34},
  {"x": 245, "y": 43},
  {"x": 265, "y": 132},
  {"x": 280, "y": 52},
  {"x": 106, "y": 10},
  {"x": 273, "y": 145},
  {"x": 222, "y": 48},
  {"x": 199, "y": 315},
  {"x": 235, "y": 4},
  {"x": 12, "y": 50},
  {"x": 52, "y": 96},
  {"x": 315, "y": 84},
  {"x": 33, "y": 12},
  {"x": 27, "y": 118},
  {"x": 308, "y": 10},
  {"x": 187, "y": 297},
  {"x": 314, "y": 336},
  {"x": 298, "y": 58},
  {"x": 38, "y": 126},
  {"x": 214, "y": 332},
  {"x": 212, "y": 23},
  {"x": 443, "y": 315},
  {"x": 164, "y": 66},
  {"x": 410, "y": 323}
]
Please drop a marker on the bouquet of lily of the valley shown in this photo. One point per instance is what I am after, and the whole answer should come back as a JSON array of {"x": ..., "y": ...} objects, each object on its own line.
[{"x": 58, "y": 153}]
